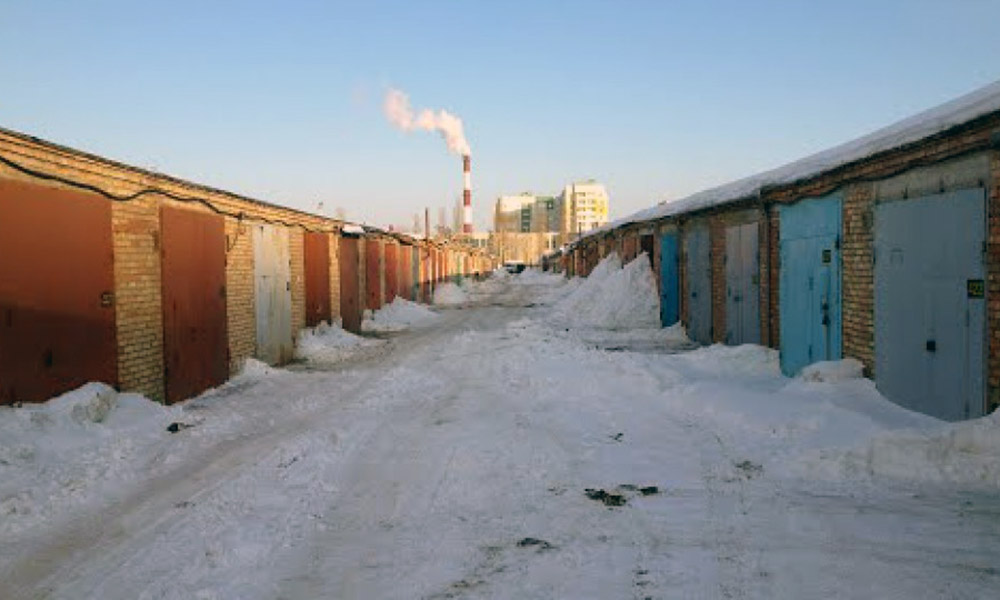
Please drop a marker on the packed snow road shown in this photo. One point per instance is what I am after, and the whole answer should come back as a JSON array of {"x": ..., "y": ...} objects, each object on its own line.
[{"x": 504, "y": 449}]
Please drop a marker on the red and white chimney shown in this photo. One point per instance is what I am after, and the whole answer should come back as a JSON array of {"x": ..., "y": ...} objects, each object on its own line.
[{"x": 467, "y": 194}]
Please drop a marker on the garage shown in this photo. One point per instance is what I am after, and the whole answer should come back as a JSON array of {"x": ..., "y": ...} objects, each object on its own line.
[
  {"x": 810, "y": 282},
  {"x": 930, "y": 302},
  {"x": 57, "y": 312},
  {"x": 273, "y": 294}
]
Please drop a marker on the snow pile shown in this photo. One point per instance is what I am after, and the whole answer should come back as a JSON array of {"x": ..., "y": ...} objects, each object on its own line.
[
  {"x": 254, "y": 370},
  {"x": 329, "y": 343},
  {"x": 613, "y": 297},
  {"x": 59, "y": 453},
  {"x": 398, "y": 315},
  {"x": 830, "y": 371},
  {"x": 965, "y": 454},
  {"x": 449, "y": 294}
]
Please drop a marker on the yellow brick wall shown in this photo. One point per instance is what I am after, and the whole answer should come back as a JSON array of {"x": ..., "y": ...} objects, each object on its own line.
[
  {"x": 138, "y": 299},
  {"x": 296, "y": 252},
  {"x": 240, "y": 302}
]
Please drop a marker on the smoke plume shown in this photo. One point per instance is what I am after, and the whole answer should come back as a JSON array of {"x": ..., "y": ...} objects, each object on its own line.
[{"x": 399, "y": 112}]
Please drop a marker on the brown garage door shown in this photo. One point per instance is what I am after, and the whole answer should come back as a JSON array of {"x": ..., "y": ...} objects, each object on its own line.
[
  {"x": 195, "y": 348},
  {"x": 350, "y": 310},
  {"x": 317, "y": 258},
  {"x": 373, "y": 274},
  {"x": 57, "y": 316},
  {"x": 391, "y": 271}
]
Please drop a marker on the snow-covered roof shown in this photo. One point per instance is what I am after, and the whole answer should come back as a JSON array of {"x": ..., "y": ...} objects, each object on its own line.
[
  {"x": 352, "y": 229},
  {"x": 961, "y": 110}
]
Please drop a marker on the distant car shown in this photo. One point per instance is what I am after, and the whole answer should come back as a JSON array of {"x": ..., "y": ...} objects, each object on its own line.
[{"x": 514, "y": 267}]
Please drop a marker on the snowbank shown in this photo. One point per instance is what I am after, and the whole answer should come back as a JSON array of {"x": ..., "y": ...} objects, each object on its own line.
[
  {"x": 830, "y": 371},
  {"x": 329, "y": 343},
  {"x": 449, "y": 294},
  {"x": 613, "y": 297},
  {"x": 59, "y": 453},
  {"x": 398, "y": 315},
  {"x": 965, "y": 454}
]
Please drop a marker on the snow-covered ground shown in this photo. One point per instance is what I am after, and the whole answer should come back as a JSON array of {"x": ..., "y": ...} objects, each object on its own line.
[{"x": 505, "y": 450}]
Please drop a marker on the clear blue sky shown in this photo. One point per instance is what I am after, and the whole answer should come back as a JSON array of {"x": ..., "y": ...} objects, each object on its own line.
[{"x": 282, "y": 100}]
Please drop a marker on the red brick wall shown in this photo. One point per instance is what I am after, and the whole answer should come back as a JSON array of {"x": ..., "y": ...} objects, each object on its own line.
[
  {"x": 993, "y": 283},
  {"x": 717, "y": 243},
  {"x": 858, "y": 276}
]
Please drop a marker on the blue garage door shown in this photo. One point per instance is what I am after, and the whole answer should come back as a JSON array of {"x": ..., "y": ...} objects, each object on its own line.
[
  {"x": 742, "y": 285},
  {"x": 930, "y": 313},
  {"x": 670, "y": 297},
  {"x": 810, "y": 282},
  {"x": 698, "y": 274}
]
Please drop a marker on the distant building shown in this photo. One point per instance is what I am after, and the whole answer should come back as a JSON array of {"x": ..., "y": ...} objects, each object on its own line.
[
  {"x": 527, "y": 225},
  {"x": 584, "y": 206}
]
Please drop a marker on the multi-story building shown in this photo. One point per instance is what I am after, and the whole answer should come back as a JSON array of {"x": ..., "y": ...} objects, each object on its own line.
[
  {"x": 584, "y": 207},
  {"x": 527, "y": 225}
]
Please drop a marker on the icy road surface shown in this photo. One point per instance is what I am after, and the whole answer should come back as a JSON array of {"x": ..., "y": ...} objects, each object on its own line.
[{"x": 454, "y": 461}]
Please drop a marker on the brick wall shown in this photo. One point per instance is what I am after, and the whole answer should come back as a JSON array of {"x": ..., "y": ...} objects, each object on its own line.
[
  {"x": 770, "y": 278},
  {"x": 240, "y": 294},
  {"x": 858, "y": 276},
  {"x": 993, "y": 283},
  {"x": 717, "y": 257},
  {"x": 296, "y": 254},
  {"x": 138, "y": 299}
]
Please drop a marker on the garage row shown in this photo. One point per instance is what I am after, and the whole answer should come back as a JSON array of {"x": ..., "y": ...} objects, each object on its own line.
[
  {"x": 885, "y": 249},
  {"x": 164, "y": 287}
]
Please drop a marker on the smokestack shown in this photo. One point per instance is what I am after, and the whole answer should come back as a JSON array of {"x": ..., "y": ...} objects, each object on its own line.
[{"x": 467, "y": 194}]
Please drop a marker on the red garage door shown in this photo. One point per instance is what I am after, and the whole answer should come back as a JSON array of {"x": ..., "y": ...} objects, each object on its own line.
[
  {"x": 195, "y": 344},
  {"x": 317, "y": 258},
  {"x": 350, "y": 295},
  {"x": 391, "y": 271},
  {"x": 373, "y": 274},
  {"x": 57, "y": 316}
]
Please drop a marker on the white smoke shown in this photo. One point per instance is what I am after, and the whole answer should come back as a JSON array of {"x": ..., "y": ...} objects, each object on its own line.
[{"x": 399, "y": 112}]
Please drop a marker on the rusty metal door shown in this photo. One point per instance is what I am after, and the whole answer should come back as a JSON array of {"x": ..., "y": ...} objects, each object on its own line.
[
  {"x": 317, "y": 262},
  {"x": 350, "y": 295},
  {"x": 193, "y": 276},
  {"x": 405, "y": 263},
  {"x": 373, "y": 274},
  {"x": 391, "y": 271},
  {"x": 272, "y": 273},
  {"x": 57, "y": 315}
]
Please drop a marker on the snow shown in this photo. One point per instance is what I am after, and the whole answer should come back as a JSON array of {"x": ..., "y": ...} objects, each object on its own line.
[
  {"x": 961, "y": 110},
  {"x": 614, "y": 297},
  {"x": 833, "y": 370},
  {"x": 398, "y": 315},
  {"x": 449, "y": 294},
  {"x": 330, "y": 343},
  {"x": 455, "y": 462}
]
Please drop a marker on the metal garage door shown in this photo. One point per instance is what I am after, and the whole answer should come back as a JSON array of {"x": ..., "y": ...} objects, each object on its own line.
[
  {"x": 930, "y": 307},
  {"x": 698, "y": 271},
  {"x": 810, "y": 282},
  {"x": 391, "y": 271},
  {"x": 373, "y": 274},
  {"x": 669, "y": 281},
  {"x": 57, "y": 315},
  {"x": 317, "y": 265},
  {"x": 272, "y": 273},
  {"x": 350, "y": 293},
  {"x": 193, "y": 271},
  {"x": 415, "y": 273},
  {"x": 742, "y": 285}
]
